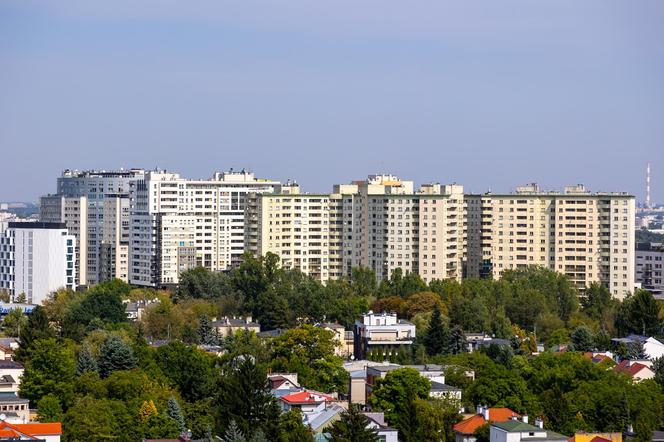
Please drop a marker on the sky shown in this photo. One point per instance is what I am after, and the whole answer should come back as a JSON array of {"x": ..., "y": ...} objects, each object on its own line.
[{"x": 487, "y": 94}]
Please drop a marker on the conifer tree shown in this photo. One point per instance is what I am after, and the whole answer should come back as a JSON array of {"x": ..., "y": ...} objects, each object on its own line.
[
  {"x": 147, "y": 410},
  {"x": 174, "y": 411},
  {"x": 437, "y": 337},
  {"x": 233, "y": 434},
  {"x": 86, "y": 361},
  {"x": 352, "y": 427},
  {"x": 207, "y": 334},
  {"x": 115, "y": 355}
]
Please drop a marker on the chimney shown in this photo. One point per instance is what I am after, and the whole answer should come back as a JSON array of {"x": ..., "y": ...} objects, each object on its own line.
[
  {"x": 485, "y": 412},
  {"x": 525, "y": 418},
  {"x": 539, "y": 423},
  {"x": 480, "y": 409},
  {"x": 249, "y": 318}
]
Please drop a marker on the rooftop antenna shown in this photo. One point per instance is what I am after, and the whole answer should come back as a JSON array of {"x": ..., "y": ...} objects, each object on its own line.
[{"x": 648, "y": 186}]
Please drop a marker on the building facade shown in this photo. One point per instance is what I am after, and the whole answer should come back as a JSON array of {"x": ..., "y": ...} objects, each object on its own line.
[
  {"x": 379, "y": 223},
  {"x": 648, "y": 266},
  {"x": 36, "y": 259},
  {"x": 81, "y": 203},
  {"x": 587, "y": 236},
  {"x": 177, "y": 224},
  {"x": 383, "y": 333}
]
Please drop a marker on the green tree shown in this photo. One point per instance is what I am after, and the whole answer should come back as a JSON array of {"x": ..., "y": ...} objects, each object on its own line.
[
  {"x": 38, "y": 327},
  {"x": 4, "y": 296},
  {"x": 352, "y": 427},
  {"x": 481, "y": 434},
  {"x": 244, "y": 397},
  {"x": 207, "y": 334},
  {"x": 363, "y": 281},
  {"x": 309, "y": 351},
  {"x": 49, "y": 409},
  {"x": 658, "y": 368},
  {"x": 188, "y": 368},
  {"x": 233, "y": 433},
  {"x": 114, "y": 355},
  {"x": 86, "y": 361},
  {"x": 14, "y": 322},
  {"x": 91, "y": 419},
  {"x": 639, "y": 314},
  {"x": 174, "y": 411},
  {"x": 437, "y": 337},
  {"x": 20, "y": 298},
  {"x": 158, "y": 426},
  {"x": 397, "y": 390},
  {"x": 582, "y": 339},
  {"x": 597, "y": 300},
  {"x": 292, "y": 429},
  {"x": 50, "y": 370}
]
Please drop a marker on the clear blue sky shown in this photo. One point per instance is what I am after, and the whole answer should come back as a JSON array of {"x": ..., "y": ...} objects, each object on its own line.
[{"x": 490, "y": 94}]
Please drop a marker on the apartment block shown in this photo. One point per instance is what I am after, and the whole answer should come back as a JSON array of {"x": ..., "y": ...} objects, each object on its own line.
[
  {"x": 587, "y": 236},
  {"x": 649, "y": 270},
  {"x": 177, "y": 223},
  {"x": 36, "y": 258},
  {"x": 81, "y": 197},
  {"x": 296, "y": 227},
  {"x": 386, "y": 225},
  {"x": 380, "y": 223}
]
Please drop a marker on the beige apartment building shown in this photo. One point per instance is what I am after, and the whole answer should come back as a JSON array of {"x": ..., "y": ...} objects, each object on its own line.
[
  {"x": 296, "y": 227},
  {"x": 587, "y": 236},
  {"x": 177, "y": 223},
  {"x": 380, "y": 223}
]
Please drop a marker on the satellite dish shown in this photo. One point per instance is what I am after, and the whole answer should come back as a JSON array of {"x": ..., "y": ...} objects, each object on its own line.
[{"x": 3, "y": 417}]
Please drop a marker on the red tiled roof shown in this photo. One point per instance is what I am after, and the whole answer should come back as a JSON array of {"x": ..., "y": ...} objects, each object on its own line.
[
  {"x": 36, "y": 429},
  {"x": 307, "y": 397},
  {"x": 468, "y": 426},
  {"x": 599, "y": 439},
  {"x": 628, "y": 367}
]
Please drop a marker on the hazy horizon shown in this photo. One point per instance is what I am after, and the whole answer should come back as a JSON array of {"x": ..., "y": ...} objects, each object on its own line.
[{"x": 489, "y": 95}]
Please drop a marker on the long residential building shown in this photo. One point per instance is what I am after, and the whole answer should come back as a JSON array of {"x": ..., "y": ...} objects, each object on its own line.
[
  {"x": 177, "y": 223},
  {"x": 587, "y": 236},
  {"x": 380, "y": 223},
  {"x": 36, "y": 258}
]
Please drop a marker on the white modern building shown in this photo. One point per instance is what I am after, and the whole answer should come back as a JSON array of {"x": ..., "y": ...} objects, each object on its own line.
[
  {"x": 177, "y": 223},
  {"x": 36, "y": 259},
  {"x": 382, "y": 332}
]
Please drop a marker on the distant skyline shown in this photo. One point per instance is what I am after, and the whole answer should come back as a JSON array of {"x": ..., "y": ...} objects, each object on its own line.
[{"x": 488, "y": 94}]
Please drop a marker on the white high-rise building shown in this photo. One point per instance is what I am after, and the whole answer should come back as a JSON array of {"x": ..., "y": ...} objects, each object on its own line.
[
  {"x": 587, "y": 236},
  {"x": 177, "y": 223},
  {"x": 80, "y": 202},
  {"x": 36, "y": 258}
]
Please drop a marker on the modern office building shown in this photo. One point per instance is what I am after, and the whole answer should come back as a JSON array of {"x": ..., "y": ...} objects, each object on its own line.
[
  {"x": 380, "y": 223},
  {"x": 36, "y": 259},
  {"x": 649, "y": 270},
  {"x": 587, "y": 236},
  {"x": 80, "y": 202},
  {"x": 177, "y": 223}
]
